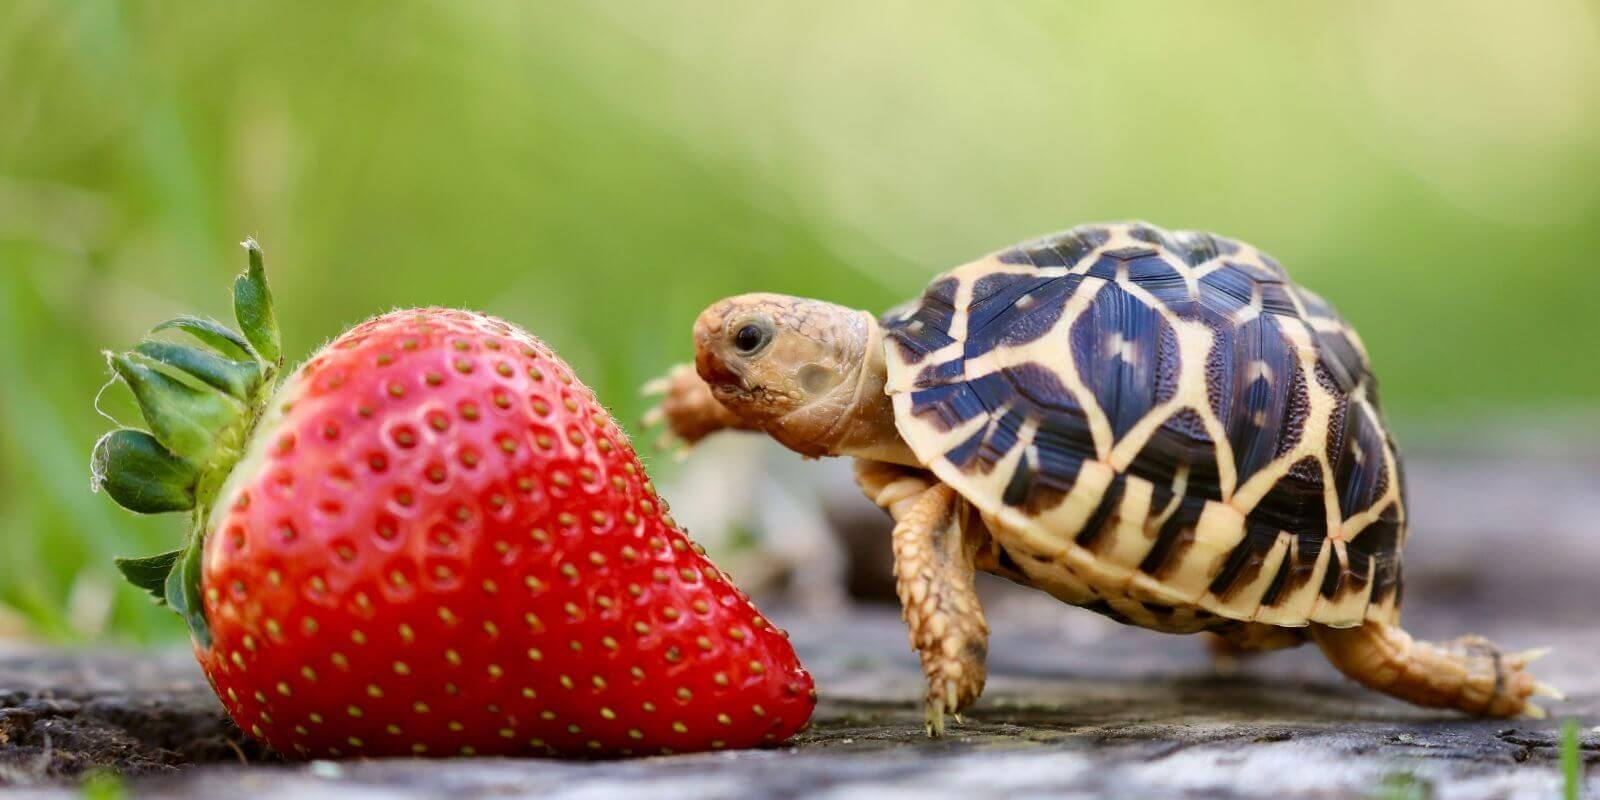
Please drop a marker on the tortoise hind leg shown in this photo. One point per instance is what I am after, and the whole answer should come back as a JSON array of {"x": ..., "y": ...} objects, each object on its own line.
[
  {"x": 1231, "y": 644},
  {"x": 934, "y": 565},
  {"x": 1247, "y": 638},
  {"x": 1468, "y": 674}
]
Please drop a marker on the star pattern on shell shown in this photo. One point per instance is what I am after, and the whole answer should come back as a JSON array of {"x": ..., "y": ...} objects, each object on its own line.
[{"x": 1167, "y": 428}]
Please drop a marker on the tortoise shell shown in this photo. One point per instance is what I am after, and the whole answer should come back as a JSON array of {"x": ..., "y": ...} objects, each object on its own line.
[{"x": 1159, "y": 426}]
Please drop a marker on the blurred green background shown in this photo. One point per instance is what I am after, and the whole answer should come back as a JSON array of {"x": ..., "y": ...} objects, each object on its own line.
[{"x": 599, "y": 172}]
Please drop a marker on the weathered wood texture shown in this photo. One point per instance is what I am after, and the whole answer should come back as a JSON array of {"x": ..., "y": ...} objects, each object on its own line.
[{"x": 1077, "y": 706}]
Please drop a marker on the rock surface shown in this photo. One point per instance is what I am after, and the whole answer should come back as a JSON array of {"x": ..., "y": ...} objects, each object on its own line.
[{"x": 1076, "y": 706}]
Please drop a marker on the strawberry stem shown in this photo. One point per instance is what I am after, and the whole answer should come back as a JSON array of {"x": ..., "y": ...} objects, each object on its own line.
[{"x": 201, "y": 405}]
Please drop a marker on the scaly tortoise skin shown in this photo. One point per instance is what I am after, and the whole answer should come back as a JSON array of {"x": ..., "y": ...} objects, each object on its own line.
[{"x": 1157, "y": 426}]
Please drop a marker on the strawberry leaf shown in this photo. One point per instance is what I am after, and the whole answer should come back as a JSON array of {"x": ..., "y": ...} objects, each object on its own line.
[
  {"x": 182, "y": 588},
  {"x": 186, "y": 420},
  {"x": 150, "y": 572},
  {"x": 223, "y": 339},
  {"x": 141, "y": 475},
  {"x": 237, "y": 378},
  {"x": 252, "y": 307}
]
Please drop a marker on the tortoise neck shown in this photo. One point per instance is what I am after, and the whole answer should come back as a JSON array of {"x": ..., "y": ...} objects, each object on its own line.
[{"x": 867, "y": 429}]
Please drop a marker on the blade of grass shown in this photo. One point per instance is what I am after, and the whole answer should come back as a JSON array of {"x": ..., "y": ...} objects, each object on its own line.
[
  {"x": 48, "y": 466},
  {"x": 1402, "y": 786},
  {"x": 102, "y": 786},
  {"x": 1571, "y": 760}
]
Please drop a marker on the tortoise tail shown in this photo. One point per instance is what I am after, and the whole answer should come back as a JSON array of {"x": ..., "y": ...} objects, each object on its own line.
[{"x": 1468, "y": 674}]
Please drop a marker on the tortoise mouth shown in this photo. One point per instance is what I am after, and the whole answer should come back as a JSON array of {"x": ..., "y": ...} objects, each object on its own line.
[{"x": 715, "y": 370}]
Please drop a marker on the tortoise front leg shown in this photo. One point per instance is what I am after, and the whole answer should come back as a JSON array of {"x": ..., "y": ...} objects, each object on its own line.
[
  {"x": 934, "y": 559},
  {"x": 688, "y": 408}
]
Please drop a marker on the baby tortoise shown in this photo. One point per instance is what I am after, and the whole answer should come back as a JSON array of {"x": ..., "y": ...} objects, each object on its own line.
[{"x": 1157, "y": 426}]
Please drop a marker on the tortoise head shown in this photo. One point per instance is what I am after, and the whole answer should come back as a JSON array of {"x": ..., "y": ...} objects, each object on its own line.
[{"x": 808, "y": 373}]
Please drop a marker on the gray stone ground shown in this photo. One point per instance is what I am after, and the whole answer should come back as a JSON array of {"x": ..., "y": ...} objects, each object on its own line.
[{"x": 1076, "y": 706}]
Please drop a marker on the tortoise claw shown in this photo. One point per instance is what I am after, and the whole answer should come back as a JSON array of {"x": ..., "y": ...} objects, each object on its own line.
[
  {"x": 655, "y": 416},
  {"x": 1527, "y": 657},
  {"x": 668, "y": 441},
  {"x": 687, "y": 410},
  {"x": 1542, "y": 689},
  {"x": 674, "y": 446},
  {"x": 943, "y": 700},
  {"x": 660, "y": 414},
  {"x": 656, "y": 386},
  {"x": 933, "y": 714}
]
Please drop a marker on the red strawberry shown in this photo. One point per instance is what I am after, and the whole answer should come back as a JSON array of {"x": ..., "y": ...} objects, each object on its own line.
[{"x": 433, "y": 539}]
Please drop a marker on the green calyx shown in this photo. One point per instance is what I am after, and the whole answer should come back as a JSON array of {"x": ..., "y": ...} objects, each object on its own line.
[{"x": 200, "y": 405}]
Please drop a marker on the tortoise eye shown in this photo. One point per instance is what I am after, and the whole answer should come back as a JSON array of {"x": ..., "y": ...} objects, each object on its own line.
[{"x": 749, "y": 338}]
